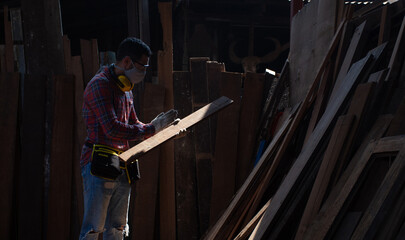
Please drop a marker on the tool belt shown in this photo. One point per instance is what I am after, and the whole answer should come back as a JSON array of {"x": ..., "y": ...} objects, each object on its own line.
[{"x": 106, "y": 164}]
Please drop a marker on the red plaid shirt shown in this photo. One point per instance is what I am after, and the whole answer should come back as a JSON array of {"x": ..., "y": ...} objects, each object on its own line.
[{"x": 110, "y": 116}]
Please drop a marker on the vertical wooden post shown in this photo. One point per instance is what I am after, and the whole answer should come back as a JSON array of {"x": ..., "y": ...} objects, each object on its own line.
[
  {"x": 31, "y": 172},
  {"x": 60, "y": 182},
  {"x": 143, "y": 204},
  {"x": 9, "y": 92},
  {"x": 166, "y": 167},
  {"x": 224, "y": 163}
]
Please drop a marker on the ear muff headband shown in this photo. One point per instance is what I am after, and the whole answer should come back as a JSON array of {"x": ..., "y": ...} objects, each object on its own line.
[{"x": 122, "y": 81}]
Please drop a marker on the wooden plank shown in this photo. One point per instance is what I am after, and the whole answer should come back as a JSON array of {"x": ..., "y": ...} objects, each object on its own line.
[
  {"x": 30, "y": 177},
  {"x": 60, "y": 182},
  {"x": 95, "y": 59},
  {"x": 9, "y": 92},
  {"x": 67, "y": 52},
  {"x": 339, "y": 135},
  {"x": 224, "y": 164},
  {"x": 333, "y": 206},
  {"x": 247, "y": 230},
  {"x": 358, "y": 107},
  {"x": 173, "y": 130},
  {"x": 383, "y": 199},
  {"x": 87, "y": 60},
  {"x": 9, "y": 50},
  {"x": 320, "y": 102},
  {"x": 167, "y": 205},
  {"x": 203, "y": 145},
  {"x": 384, "y": 26},
  {"x": 185, "y": 163},
  {"x": 142, "y": 215},
  {"x": 79, "y": 136},
  {"x": 214, "y": 72},
  {"x": 354, "y": 74},
  {"x": 219, "y": 230},
  {"x": 248, "y": 124},
  {"x": 352, "y": 54}
]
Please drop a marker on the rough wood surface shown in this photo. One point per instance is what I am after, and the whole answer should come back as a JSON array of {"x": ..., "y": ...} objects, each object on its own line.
[{"x": 173, "y": 130}]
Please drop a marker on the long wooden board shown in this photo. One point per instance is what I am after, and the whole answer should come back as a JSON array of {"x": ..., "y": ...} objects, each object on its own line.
[
  {"x": 9, "y": 90},
  {"x": 60, "y": 182},
  {"x": 224, "y": 164},
  {"x": 185, "y": 164},
  {"x": 131, "y": 154},
  {"x": 143, "y": 204}
]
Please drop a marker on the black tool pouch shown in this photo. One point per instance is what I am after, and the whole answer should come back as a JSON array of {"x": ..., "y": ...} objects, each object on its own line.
[
  {"x": 132, "y": 171},
  {"x": 105, "y": 162}
]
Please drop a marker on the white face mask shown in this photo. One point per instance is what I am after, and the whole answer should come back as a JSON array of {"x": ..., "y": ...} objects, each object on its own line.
[{"x": 134, "y": 74}]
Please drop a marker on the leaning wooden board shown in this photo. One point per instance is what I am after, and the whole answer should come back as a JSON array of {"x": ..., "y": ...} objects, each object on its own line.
[{"x": 170, "y": 132}]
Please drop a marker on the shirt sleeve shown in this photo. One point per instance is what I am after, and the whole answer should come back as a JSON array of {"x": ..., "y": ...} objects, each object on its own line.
[{"x": 100, "y": 100}]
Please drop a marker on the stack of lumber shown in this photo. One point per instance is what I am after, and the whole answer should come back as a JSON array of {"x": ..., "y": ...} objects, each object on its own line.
[{"x": 335, "y": 167}]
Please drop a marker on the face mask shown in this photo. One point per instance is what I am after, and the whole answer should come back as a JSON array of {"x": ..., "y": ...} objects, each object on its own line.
[{"x": 134, "y": 74}]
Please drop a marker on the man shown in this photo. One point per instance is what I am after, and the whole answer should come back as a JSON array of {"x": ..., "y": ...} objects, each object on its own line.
[{"x": 111, "y": 122}]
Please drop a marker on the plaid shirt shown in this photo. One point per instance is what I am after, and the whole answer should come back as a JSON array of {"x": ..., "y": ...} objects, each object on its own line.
[{"x": 110, "y": 117}]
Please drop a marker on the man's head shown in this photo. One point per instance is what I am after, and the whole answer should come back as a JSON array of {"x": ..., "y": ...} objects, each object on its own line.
[{"x": 133, "y": 59}]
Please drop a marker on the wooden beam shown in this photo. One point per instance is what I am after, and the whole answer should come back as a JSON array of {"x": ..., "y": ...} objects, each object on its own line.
[
  {"x": 9, "y": 90},
  {"x": 60, "y": 182}
]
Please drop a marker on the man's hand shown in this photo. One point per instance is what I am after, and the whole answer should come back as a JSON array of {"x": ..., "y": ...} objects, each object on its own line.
[{"x": 163, "y": 120}]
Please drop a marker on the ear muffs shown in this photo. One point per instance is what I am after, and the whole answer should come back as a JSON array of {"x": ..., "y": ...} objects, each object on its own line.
[
  {"x": 122, "y": 81},
  {"x": 124, "y": 84}
]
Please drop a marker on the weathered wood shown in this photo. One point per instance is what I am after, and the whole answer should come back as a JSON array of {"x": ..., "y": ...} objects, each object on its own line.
[
  {"x": 340, "y": 132},
  {"x": 67, "y": 55},
  {"x": 9, "y": 92},
  {"x": 224, "y": 164},
  {"x": 397, "y": 56},
  {"x": 383, "y": 199},
  {"x": 143, "y": 203},
  {"x": 352, "y": 54},
  {"x": 9, "y": 50},
  {"x": 30, "y": 177},
  {"x": 173, "y": 130},
  {"x": 397, "y": 126},
  {"x": 333, "y": 206},
  {"x": 248, "y": 124},
  {"x": 185, "y": 163},
  {"x": 280, "y": 196},
  {"x": 60, "y": 182}
]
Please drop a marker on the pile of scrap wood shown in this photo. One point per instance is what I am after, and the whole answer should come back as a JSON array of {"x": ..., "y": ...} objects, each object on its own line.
[{"x": 335, "y": 169}]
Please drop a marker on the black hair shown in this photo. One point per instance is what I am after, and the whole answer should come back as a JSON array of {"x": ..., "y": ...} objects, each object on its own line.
[{"x": 134, "y": 48}]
